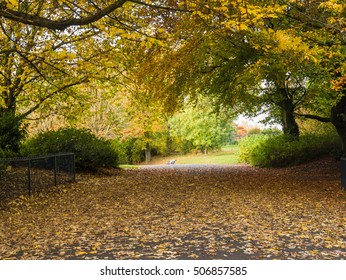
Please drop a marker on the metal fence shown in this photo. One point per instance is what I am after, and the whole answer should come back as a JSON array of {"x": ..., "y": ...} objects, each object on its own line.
[{"x": 22, "y": 176}]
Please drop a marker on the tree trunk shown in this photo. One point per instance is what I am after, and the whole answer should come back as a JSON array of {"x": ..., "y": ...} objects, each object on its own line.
[
  {"x": 147, "y": 152},
  {"x": 169, "y": 141},
  {"x": 289, "y": 124},
  {"x": 338, "y": 118}
]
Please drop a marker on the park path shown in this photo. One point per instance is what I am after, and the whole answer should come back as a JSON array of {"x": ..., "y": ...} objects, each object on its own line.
[
  {"x": 184, "y": 212},
  {"x": 191, "y": 166}
]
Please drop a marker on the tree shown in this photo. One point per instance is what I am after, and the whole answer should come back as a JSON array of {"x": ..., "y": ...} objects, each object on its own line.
[
  {"x": 41, "y": 67},
  {"x": 199, "y": 125},
  {"x": 325, "y": 29},
  {"x": 146, "y": 118},
  {"x": 60, "y": 16},
  {"x": 253, "y": 55},
  {"x": 256, "y": 56},
  {"x": 287, "y": 79},
  {"x": 101, "y": 111},
  {"x": 35, "y": 67}
]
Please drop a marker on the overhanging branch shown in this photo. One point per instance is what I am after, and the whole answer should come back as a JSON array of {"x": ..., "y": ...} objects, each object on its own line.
[
  {"x": 314, "y": 117},
  {"x": 33, "y": 19},
  {"x": 159, "y": 7},
  {"x": 36, "y": 20},
  {"x": 35, "y": 107}
]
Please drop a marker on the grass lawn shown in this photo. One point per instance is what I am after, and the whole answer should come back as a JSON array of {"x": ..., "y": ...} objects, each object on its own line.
[{"x": 227, "y": 155}]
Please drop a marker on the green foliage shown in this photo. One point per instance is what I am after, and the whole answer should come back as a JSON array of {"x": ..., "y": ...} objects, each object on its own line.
[
  {"x": 91, "y": 152},
  {"x": 184, "y": 146},
  {"x": 248, "y": 144},
  {"x": 130, "y": 151},
  {"x": 271, "y": 131},
  {"x": 11, "y": 133},
  {"x": 200, "y": 128},
  {"x": 282, "y": 150},
  {"x": 8, "y": 154},
  {"x": 255, "y": 130}
]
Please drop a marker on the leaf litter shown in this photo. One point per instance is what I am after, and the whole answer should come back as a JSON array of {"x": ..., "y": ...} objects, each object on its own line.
[{"x": 230, "y": 212}]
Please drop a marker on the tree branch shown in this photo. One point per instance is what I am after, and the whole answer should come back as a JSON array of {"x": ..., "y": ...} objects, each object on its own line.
[
  {"x": 314, "y": 117},
  {"x": 36, "y": 20},
  {"x": 35, "y": 107},
  {"x": 160, "y": 7}
]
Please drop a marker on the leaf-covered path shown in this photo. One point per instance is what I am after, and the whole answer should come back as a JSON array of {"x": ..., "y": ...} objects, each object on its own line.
[{"x": 234, "y": 212}]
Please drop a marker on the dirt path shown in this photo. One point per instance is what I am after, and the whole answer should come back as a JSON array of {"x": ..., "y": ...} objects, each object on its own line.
[{"x": 196, "y": 212}]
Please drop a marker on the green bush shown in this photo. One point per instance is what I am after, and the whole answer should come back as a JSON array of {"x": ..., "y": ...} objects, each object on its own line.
[
  {"x": 281, "y": 150},
  {"x": 248, "y": 144},
  {"x": 8, "y": 154},
  {"x": 12, "y": 132},
  {"x": 130, "y": 151},
  {"x": 91, "y": 152}
]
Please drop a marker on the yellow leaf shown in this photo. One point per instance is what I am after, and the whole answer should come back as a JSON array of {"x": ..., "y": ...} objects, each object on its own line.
[
  {"x": 11, "y": 4},
  {"x": 80, "y": 253},
  {"x": 243, "y": 26}
]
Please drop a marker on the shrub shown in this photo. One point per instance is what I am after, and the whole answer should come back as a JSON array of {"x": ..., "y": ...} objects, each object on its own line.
[
  {"x": 130, "y": 151},
  {"x": 248, "y": 144},
  {"x": 281, "y": 150},
  {"x": 12, "y": 132},
  {"x": 91, "y": 152},
  {"x": 8, "y": 154},
  {"x": 254, "y": 130}
]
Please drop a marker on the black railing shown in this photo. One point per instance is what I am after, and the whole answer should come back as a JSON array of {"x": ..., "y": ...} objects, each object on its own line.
[{"x": 21, "y": 176}]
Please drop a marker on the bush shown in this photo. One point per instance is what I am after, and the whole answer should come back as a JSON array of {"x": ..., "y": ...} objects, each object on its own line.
[
  {"x": 248, "y": 144},
  {"x": 279, "y": 151},
  {"x": 91, "y": 152},
  {"x": 11, "y": 132},
  {"x": 8, "y": 154},
  {"x": 130, "y": 151}
]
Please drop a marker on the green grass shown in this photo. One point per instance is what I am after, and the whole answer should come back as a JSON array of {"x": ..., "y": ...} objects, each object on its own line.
[
  {"x": 227, "y": 155},
  {"x": 129, "y": 166}
]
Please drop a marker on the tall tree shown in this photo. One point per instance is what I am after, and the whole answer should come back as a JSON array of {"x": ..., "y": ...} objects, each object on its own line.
[
  {"x": 35, "y": 66},
  {"x": 201, "y": 126},
  {"x": 254, "y": 54},
  {"x": 40, "y": 67},
  {"x": 212, "y": 46}
]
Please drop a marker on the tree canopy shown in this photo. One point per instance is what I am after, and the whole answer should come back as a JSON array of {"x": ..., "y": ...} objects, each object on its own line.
[
  {"x": 203, "y": 128},
  {"x": 285, "y": 58}
]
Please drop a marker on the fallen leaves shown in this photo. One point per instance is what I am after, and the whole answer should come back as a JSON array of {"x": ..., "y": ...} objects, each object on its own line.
[{"x": 234, "y": 212}]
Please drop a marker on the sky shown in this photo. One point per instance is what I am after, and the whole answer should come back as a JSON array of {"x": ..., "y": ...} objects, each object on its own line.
[{"x": 254, "y": 122}]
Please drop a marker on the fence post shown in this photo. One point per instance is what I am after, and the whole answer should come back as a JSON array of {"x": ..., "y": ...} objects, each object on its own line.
[
  {"x": 29, "y": 176},
  {"x": 55, "y": 171}
]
